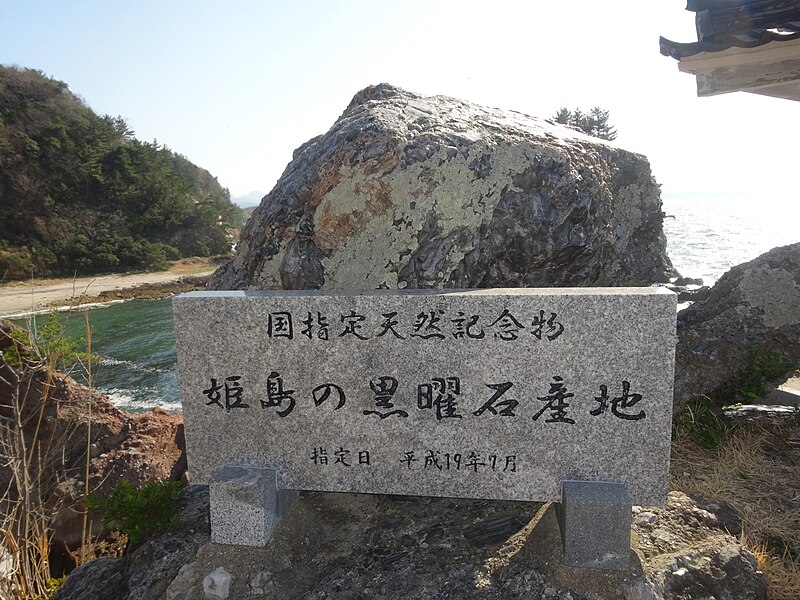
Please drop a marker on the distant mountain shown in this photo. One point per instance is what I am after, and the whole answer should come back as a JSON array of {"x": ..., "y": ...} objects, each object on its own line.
[
  {"x": 251, "y": 199},
  {"x": 79, "y": 194}
]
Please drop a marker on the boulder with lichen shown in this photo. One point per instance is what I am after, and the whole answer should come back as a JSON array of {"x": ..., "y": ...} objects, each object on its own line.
[{"x": 406, "y": 191}]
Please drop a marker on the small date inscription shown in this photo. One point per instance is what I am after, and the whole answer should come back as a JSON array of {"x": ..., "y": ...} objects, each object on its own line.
[{"x": 428, "y": 459}]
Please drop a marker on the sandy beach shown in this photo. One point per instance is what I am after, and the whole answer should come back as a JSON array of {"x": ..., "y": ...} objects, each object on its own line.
[{"x": 28, "y": 296}]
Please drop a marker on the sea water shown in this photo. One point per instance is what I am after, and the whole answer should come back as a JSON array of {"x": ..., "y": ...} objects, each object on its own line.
[
  {"x": 133, "y": 345},
  {"x": 135, "y": 341},
  {"x": 708, "y": 236}
]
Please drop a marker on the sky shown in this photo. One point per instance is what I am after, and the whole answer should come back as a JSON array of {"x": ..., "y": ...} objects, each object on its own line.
[{"x": 236, "y": 86}]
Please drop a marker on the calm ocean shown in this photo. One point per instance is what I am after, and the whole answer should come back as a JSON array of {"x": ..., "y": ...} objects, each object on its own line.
[{"x": 705, "y": 237}]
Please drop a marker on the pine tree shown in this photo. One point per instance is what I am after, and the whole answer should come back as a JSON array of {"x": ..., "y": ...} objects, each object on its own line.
[{"x": 594, "y": 123}]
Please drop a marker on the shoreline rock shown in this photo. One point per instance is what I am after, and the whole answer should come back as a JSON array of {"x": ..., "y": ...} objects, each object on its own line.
[
  {"x": 146, "y": 291},
  {"x": 754, "y": 307},
  {"x": 21, "y": 298}
]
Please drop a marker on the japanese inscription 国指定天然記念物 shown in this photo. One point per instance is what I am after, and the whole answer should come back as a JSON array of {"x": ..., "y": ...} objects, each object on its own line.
[{"x": 432, "y": 324}]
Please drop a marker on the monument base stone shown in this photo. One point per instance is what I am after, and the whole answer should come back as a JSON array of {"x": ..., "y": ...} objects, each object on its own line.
[
  {"x": 595, "y": 521},
  {"x": 246, "y": 505}
]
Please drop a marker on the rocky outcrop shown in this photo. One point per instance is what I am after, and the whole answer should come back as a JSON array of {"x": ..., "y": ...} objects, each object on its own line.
[
  {"x": 56, "y": 411},
  {"x": 753, "y": 308},
  {"x": 145, "y": 573},
  {"x": 413, "y": 192},
  {"x": 137, "y": 447},
  {"x": 349, "y": 546},
  {"x": 689, "y": 550}
]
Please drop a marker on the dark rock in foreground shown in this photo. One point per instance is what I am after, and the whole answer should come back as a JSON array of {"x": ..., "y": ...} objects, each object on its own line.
[
  {"x": 358, "y": 547},
  {"x": 413, "y": 192},
  {"x": 145, "y": 573},
  {"x": 753, "y": 308}
]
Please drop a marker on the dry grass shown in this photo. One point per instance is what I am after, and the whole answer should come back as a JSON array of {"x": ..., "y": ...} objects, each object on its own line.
[
  {"x": 32, "y": 456},
  {"x": 757, "y": 471},
  {"x": 30, "y": 474}
]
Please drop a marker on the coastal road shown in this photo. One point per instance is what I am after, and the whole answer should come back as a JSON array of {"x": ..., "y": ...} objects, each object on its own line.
[{"x": 22, "y": 297}]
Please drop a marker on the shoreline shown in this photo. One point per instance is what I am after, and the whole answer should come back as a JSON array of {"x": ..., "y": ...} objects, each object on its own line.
[{"x": 20, "y": 298}]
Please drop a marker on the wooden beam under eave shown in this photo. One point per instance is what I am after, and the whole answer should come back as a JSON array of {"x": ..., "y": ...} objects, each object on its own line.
[
  {"x": 780, "y": 79},
  {"x": 772, "y": 69},
  {"x": 771, "y": 53}
]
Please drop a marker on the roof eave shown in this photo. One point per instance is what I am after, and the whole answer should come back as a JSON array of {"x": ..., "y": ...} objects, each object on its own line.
[{"x": 772, "y": 69}]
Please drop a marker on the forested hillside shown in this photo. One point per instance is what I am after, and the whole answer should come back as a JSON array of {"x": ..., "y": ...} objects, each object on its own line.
[{"x": 79, "y": 193}]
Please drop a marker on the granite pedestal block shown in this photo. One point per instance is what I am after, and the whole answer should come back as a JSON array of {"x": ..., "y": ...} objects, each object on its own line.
[
  {"x": 246, "y": 505},
  {"x": 595, "y": 521},
  {"x": 498, "y": 394}
]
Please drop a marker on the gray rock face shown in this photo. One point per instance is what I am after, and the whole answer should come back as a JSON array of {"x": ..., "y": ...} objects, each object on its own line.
[
  {"x": 753, "y": 307},
  {"x": 413, "y": 192},
  {"x": 360, "y": 546},
  {"x": 688, "y": 551}
]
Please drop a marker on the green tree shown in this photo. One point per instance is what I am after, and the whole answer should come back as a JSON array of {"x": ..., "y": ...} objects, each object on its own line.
[
  {"x": 79, "y": 193},
  {"x": 594, "y": 123}
]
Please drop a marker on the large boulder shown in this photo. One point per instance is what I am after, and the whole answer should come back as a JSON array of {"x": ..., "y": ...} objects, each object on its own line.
[
  {"x": 413, "y": 192},
  {"x": 753, "y": 310}
]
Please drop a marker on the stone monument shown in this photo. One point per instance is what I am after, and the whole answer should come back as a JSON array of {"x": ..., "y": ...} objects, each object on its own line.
[{"x": 560, "y": 395}]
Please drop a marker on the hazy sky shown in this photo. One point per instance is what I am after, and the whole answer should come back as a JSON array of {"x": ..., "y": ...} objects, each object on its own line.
[{"x": 237, "y": 86}]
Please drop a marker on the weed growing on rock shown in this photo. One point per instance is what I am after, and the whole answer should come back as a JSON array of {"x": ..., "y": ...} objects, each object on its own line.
[
  {"x": 138, "y": 513},
  {"x": 705, "y": 427},
  {"x": 753, "y": 381},
  {"x": 52, "y": 586},
  {"x": 47, "y": 345}
]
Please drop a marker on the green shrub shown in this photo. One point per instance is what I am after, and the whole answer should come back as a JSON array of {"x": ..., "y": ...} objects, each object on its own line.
[
  {"x": 54, "y": 344},
  {"x": 706, "y": 428},
  {"x": 19, "y": 351},
  {"x": 753, "y": 381},
  {"x": 15, "y": 263},
  {"x": 52, "y": 587},
  {"x": 154, "y": 255},
  {"x": 48, "y": 344},
  {"x": 138, "y": 512}
]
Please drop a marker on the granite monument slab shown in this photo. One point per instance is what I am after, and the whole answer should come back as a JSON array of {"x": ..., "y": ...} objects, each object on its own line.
[{"x": 499, "y": 394}]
